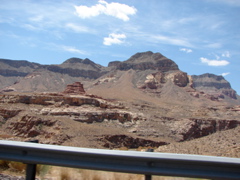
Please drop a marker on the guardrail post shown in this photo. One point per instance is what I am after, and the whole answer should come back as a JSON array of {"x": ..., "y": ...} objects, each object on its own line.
[
  {"x": 31, "y": 168},
  {"x": 147, "y": 176}
]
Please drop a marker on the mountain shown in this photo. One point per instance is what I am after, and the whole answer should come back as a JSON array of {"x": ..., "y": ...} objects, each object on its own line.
[
  {"x": 12, "y": 71},
  {"x": 146, "y": 60},
  {"x": 146, "y": 72},
  {"x": 25, "y": 76},
  {"x": 143, "y": 101}
]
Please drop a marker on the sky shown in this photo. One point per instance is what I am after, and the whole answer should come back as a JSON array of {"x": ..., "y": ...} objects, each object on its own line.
[{"x": 201, "y": 36}]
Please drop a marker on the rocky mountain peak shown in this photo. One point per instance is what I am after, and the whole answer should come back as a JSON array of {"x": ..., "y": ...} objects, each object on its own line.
[
  {"x": 74, "y": 60},
  {"x": 148, "y": 56},
  {"x": 145, "y": 61}
]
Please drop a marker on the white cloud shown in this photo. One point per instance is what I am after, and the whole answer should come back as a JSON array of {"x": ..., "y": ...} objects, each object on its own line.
[
  {"x": 185, "y": 50},
  {"x": 172, "y": 40},
  {"x": 226, "y": 54},
  {"x": 114, "y": 39},
  {"x": 214, "y": 62},
  {"x": 225, "y": 74},
  {"x": 120, "y": 11},
  {"x": 72, "y": 49},
  {"x": 77, "y": 28}
]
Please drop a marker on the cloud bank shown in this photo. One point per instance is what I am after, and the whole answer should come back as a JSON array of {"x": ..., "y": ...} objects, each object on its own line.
[
  {"x": 214, "y": 62},
  {"x": 120, "y": 11}
]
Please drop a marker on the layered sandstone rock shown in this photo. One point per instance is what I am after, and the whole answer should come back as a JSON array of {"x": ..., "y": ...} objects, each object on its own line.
[
  {"x": 75, "y": 88},
  {"x": 57, "y": 100},
  {"x": 9, "y": 113}
]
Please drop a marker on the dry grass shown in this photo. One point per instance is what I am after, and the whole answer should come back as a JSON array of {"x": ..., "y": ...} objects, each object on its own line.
[{"x": 62, "y": 173}]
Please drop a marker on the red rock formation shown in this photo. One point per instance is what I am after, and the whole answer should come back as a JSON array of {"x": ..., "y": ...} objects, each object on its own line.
[
  {"x": 75, "y": 88},
  {"x": 29, "y": 126},
  {"x": 8, "y": 113},
  {"x": 118, "y": 141}
]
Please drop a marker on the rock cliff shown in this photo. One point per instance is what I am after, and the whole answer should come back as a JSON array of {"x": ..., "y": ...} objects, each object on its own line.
[{"x": 213, "y": 85}]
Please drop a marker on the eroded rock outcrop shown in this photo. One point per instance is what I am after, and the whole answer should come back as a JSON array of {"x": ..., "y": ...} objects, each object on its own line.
[
  {"x": 29, "y": 126},
  {"x": 188, "y": 129},
  {"x": 92, "y": 114},
  {"x": 75, "y": 88},
  {"x": 9, "y": 113},
  {"x": 118, "y": 141},
  {"x": 45, "y": 130},
  {"x": 57, "y": 100},
  {"x": 155, "y": 80}
]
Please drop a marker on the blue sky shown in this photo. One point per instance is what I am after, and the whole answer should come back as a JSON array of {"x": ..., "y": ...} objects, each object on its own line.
[{"x": 201, "y": 36}]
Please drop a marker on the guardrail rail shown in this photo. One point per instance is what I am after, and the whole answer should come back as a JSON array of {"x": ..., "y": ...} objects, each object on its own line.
[{"x": 148, "y": 163}]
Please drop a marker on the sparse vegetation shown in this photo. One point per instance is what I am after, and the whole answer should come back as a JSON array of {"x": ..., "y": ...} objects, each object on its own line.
[{"x": 62, "y": 173}]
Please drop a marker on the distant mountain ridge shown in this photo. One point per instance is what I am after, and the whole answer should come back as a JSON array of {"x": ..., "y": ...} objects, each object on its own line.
[{"x": 152, "y": 71}]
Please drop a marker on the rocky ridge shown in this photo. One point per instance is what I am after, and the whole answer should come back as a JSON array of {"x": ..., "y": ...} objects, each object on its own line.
[
  {"x": 146, "y": 60},
  {"x": 153, "y": 71}
]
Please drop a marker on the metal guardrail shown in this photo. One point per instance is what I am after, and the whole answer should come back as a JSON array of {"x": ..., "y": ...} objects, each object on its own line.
[{"x": 148, "y": 163}]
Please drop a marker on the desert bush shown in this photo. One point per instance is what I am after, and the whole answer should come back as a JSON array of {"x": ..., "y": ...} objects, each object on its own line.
[
  {"x": 16, "y": 166},
  {"x": 4, "y": 164}
]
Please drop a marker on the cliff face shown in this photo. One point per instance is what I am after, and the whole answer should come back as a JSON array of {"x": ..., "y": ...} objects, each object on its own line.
[{"x": 214, "y": 85}]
